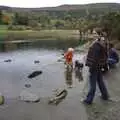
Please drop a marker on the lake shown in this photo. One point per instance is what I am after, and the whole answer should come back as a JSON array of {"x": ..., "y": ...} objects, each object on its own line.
[{"x": 14, "y": 74}]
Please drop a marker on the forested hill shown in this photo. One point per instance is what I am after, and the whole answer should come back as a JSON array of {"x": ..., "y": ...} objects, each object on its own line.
[
  {"x": 73, "y": 10},
  {"x": 68, "y": 7}
]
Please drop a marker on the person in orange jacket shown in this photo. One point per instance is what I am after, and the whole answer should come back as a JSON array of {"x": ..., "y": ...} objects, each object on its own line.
[{"x": 69, "y": 56}]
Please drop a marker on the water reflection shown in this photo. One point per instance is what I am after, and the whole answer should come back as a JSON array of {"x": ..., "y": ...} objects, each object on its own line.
[
  {"x": 79, "y": 75},
  {"x": 49, "y": 44},
  {"x": 5, "y": 47},
  {"x": 68, "y": 77}
]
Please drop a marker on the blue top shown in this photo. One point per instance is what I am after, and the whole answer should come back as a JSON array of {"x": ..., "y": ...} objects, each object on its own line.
[{"x": 113, "y": 54}]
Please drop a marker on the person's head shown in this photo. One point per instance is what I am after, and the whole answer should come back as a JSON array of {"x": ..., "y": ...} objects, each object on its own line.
[
  {"x": 102, "y": 41},
  {"x": 70, "y": 50}
]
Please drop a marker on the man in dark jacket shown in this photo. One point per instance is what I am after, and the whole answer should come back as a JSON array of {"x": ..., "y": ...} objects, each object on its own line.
[{"x": 96, "y": 59}]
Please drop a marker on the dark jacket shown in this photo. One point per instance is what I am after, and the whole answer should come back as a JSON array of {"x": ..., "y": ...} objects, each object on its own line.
[{"x": 97, "y": 56}]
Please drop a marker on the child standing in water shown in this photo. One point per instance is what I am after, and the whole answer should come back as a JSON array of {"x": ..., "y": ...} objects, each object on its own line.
[{"x": 69, "y": 57}]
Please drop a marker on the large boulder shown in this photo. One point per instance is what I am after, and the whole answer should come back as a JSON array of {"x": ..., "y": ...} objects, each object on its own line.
[{"x": 29, "y": 97}]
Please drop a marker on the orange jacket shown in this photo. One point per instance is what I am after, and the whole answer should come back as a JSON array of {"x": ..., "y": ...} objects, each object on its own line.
[{"x": 68, "y": 56}]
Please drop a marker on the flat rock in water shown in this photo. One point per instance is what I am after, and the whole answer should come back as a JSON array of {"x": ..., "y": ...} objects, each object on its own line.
[
  {"x": 34, "y": 74},
  {"x": 9, "y": 60},
  {"x": 29, "y": 97}
]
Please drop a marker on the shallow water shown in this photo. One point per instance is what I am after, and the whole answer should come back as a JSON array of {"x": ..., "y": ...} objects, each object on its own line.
[{"x": 14, "y": 75}]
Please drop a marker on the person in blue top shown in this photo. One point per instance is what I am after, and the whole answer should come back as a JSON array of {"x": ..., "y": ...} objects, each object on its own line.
[{"x": 113, "y": 57}]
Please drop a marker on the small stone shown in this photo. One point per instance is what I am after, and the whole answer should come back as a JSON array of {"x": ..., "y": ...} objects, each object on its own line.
[{"x": 27, "y": 85}]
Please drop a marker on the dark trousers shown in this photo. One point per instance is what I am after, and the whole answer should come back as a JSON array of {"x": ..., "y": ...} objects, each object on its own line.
[{"x": 96, "y": 77}]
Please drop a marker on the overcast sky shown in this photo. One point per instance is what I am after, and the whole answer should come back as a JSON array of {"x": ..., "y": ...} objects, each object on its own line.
[{"x": 46, "y": 3}]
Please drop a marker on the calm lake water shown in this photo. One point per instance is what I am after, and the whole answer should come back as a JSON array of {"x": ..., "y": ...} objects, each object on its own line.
[{"x": 14, "y": 74}]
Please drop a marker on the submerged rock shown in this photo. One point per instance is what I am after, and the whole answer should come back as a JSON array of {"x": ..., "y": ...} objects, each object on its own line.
[
  {"x": 60, "y": 60},
  {"x": 60, "y": 95},
  {"x": 2, "y": 99},
  {"x": 29, "y": 97},
  {"x": 9, "y": 60},
  {"x": 27, "y": 85},
  {"x": 36, "y": 61},
  {"x": 34, "y": 74}
]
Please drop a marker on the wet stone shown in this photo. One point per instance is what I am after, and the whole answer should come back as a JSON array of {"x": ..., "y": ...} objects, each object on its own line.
[
  {"x": 36, "y": 61},
  {"x": 9, "y": 60},
  {"x": 59, "y": 96},
  {"x": 2, "y": 99},
  {"x": 27, "y": 85},
  {"x": 34, "y": 74}
]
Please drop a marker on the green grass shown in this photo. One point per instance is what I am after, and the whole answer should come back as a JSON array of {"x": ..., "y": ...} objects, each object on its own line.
[
  {"x": 43, "y": 34},
  {"x": 3, "y": 27}
]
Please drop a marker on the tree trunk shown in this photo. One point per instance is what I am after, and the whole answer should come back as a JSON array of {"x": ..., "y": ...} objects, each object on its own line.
[{"x": 80, "y": 33}]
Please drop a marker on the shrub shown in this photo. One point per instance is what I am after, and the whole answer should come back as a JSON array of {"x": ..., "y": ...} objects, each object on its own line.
[{"x": 12, "y": 27}]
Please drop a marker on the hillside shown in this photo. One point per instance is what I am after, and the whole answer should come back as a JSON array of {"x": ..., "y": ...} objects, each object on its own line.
[
  {"x": 113, "y": 6},
  {"x": 73, "y": 10}
]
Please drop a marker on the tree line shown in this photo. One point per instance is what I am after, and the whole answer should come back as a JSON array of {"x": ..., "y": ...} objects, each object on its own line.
[{"x": 108, "y": 23}]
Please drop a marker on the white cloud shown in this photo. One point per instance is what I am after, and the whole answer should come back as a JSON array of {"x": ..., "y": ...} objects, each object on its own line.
[
  {"x": 43, "y": 3},
  {"x": 30, "y": 3}
]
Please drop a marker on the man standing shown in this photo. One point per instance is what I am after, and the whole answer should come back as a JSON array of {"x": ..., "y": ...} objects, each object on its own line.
[{"x": 96, "y": 59}]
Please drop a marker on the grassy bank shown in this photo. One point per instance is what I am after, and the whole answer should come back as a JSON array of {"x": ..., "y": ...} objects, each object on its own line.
[{"x": 35, "y": 35}]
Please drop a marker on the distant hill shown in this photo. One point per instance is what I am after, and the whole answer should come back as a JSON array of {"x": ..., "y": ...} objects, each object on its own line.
[
  {"x": 75, "y": 7},
  {"x": 73, "y": 10},
  {"x": 5, "y": 8}
]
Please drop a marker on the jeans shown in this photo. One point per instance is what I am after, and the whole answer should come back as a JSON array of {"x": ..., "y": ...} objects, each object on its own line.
[{"x": 96, "y": 77}]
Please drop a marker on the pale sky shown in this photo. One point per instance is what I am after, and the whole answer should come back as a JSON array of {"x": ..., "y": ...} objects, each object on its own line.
[{"x": 47, "y": 3}]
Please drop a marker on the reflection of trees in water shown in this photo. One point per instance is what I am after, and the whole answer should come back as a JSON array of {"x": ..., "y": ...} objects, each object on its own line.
[
  {"x": 48, "y": 44},
  {"x": 4, "y": 47},
  {"x": 68, "y": 77},
  {"x": 59, "y": 44}
]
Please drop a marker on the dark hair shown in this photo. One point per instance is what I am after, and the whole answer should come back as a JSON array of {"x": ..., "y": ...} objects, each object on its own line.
[
  {"x": 111, "y": 45},
  {"x": 98, "y": 39}
]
